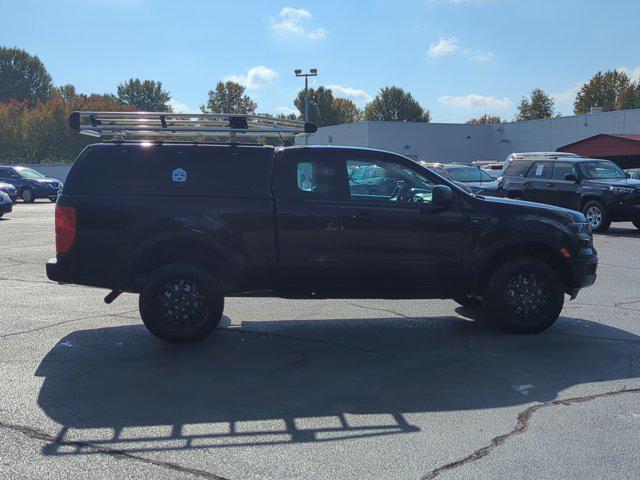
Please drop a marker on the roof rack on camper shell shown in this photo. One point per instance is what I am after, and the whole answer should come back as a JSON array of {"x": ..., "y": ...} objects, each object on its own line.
[{"x": 187, "y": 127}]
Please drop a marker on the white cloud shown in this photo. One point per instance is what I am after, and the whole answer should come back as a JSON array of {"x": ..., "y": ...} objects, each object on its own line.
[
  {"x": 478, "y": 102},
  {"x": 179, "y": 107},
  {"x": 443, "y": 47},
  {"x": 355, "y": 94},
  {"x": 255, "y": 77},
  {"x": 567, "y": 96},
  {"x": 289, "y": 22},
  {"x": 286, "y": 110},
  {"x": 479, "y": 56},
  {"x": 633, "y": 72}
]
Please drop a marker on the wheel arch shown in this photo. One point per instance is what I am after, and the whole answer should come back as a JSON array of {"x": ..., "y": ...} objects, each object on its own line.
[
  {"x": 537, "y": 250},
  {"x": 588, "y": 197},
  {"x": 185, "y": 250}
]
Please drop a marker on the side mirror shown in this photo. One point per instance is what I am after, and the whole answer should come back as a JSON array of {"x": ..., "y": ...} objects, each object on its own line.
[
  {"x": 570, "y": 177},
  {"x": 442, "y": 196}
]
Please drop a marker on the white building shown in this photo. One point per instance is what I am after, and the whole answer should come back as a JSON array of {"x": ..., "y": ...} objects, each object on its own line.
[{"x": 454, "y": 142}]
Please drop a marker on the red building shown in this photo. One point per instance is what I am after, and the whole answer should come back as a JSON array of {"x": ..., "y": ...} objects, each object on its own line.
[{"x": 622, "y": 149}]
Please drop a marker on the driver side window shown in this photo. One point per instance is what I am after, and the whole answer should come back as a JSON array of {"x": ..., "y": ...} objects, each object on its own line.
[{"x": 385, "y": 181}]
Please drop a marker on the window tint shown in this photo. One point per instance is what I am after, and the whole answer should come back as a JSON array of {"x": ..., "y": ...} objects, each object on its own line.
[
  {"x": 516, "y": 168},
  {"x": 5, "y": 172},
  {"x": 561, "y": 169},
  {"x": 540, "y": 170},
  {"x": 316, "y": 177},
  {"x": 384, "y": 181}
]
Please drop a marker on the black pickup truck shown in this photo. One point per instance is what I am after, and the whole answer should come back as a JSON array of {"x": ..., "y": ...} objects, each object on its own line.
[{"x": 186, "y": 224}]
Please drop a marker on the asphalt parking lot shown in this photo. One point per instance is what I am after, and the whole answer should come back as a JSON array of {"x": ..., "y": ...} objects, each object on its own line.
[{"x": 320, "y": 389}]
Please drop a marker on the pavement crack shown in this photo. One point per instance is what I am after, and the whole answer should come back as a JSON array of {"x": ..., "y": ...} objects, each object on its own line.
[
  {"x": 38, "y": 434},
  {"x": 376, "y": 309},
  {"x": 522, "y": 425},
  {"x": 51, "y": 325},
  {"x": 20, "y": 280},
  {"x": 304, "y": 339}
]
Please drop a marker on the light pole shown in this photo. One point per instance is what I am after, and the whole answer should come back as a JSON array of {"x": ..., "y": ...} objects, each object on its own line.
[{"x": 313, "y": 72}]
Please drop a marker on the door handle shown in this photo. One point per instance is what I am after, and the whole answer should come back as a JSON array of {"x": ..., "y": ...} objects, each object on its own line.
[
  {"x": 527, "y": 184},
  {"x": 551, "y": 184}
]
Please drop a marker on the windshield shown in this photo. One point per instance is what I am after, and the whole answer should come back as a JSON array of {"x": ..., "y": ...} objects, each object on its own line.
[
  {"x": 28, "y": 173},
  {"x": 470, "y": 174},
  {"x": 600, "y": 169}
]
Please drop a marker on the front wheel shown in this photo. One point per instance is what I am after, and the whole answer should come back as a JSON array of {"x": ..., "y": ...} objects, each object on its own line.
[
  {"x": 597, "y": 215},
  {"x": 27, "y": 195},
  {"x": 524, "y": 295},
  {"x": 181, "y": 303}
]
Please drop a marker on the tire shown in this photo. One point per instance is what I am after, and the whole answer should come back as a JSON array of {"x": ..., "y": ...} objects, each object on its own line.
[
  {"x": 636, "y": 223},
  {"x": 596, "y": 215},
  {"x": 468, "y": 301},
  {"x": 524, "y": 295},
  {"x": 53, "y": 199},
  {"x": 27, "y": 195},
  {"x": 199, "y": 295}
]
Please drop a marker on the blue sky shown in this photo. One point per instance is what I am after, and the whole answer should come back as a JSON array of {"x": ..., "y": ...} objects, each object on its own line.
[{"x": 459, "y": 58}]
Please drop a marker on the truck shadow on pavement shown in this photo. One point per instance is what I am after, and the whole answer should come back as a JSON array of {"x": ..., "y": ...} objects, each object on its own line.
[{"x": 285, "y": 382}]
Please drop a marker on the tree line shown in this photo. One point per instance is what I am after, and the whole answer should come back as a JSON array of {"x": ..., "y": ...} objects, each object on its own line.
[{"x": 34, "y": 112}]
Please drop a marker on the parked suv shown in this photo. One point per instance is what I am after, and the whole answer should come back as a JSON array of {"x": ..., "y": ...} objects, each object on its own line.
[
  {"x": 598, "y": 188},
  {"x": 187, "y": 226},
  {"x": 30, "y": 184}
]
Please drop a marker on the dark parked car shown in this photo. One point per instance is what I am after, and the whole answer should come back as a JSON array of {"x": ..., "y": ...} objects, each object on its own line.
[
  {"x": 186, "y": 226},
  {"x": 9, "y": 190},
  {"x": 6, "y": 204},
  {"x": 470, "y": 176},
  {"x": 598, "y": 188},
  {"x": 30, "y": 184}
]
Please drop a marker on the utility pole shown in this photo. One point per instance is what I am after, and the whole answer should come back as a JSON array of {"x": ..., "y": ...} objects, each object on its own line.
[{"x": 312, "y": 73}]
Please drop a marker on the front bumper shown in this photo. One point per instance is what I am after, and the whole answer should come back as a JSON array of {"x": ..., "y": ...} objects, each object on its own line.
[{"x": 582, "y": 269}]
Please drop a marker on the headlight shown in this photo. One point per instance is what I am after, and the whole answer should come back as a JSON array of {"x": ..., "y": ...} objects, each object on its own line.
[
  {"x": 621, "y": 190},
  {"x": 4, "y": 197},
  {"x": 581, "y": 229}
]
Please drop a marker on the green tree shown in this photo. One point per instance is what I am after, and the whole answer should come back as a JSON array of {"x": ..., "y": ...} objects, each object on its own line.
[
  {"x": 66, "y": 92},
  {"x": 346, "y": 110},
  {"x": 393, "y": 104},
  {"x": 611, "y": 90},
  {"x": 22, "y": 76},
  {"x": 484, "y": 120},
  {"x": 538, "y": 105},
  {"x": 146, "y": 95},
  {"x": 229, "y": 97},
  {"x": 325, "y": 109}
]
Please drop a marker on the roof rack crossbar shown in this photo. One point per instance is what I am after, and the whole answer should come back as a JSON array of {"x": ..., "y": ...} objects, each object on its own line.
[{"x": 158, "y": 125}]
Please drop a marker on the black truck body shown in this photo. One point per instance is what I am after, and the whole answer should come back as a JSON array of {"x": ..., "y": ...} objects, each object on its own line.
[{"x": 288, "y": 221}]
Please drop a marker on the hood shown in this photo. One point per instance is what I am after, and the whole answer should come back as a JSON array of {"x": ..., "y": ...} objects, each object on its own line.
[
  {"x": 48, "y": 180},
  {"x": 613, "y": 182},
  {"x": 559, "y": 213}
]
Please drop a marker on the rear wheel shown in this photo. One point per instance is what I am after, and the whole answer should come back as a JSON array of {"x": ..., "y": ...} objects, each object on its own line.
[
  {"x": 181, "y": 303},
  {"x": 27, "y": 195},
  {"x": 524, "y": 295},
  {"x": 596, "y": 215}
]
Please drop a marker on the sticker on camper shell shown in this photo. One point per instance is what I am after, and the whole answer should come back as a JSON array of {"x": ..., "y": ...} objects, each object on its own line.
[{"x": 179, "y": 175}]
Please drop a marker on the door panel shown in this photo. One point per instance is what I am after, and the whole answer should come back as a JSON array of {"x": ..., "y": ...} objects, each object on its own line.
[
  {"x": 536, "y": 183},
  {"x": 307, "y": 219},
  {"x": 564, "y": 192},
  {"x": 399, "y": 239}
]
